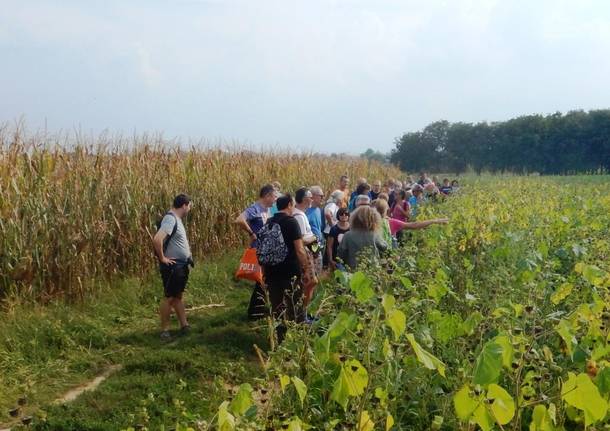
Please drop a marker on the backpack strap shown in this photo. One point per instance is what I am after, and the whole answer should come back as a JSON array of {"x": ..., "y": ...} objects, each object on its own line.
[{"x": 169, "y": 238}]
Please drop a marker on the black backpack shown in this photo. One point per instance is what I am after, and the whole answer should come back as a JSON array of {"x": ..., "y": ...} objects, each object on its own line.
[
  {"x": 272, "y": 249},
  {"x": 167, "y": 238}
]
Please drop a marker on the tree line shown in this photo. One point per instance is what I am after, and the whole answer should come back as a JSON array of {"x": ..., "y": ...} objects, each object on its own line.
[{"x": 576, "y": 142}]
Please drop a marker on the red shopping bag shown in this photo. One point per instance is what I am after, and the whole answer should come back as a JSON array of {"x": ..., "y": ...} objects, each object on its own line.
[{"x": 249, "y": 269}]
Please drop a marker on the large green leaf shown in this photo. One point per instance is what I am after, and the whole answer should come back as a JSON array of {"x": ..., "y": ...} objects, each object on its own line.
[
  {"x": 353, "y": 379},
  {"x": 507, "y": 349},
  {"x": 503, "y": 406},
  {"x": 360, "y": 284},
  {"x": 397, "y": 321},
  {"x": 296, "y": 424},
  {"x": 489, "y": 364},
  {"x": 242, "y": 400},
  {"x": 226, "y": 421},
  {"x": 580, "y": 392},
  {"x": 482, "y": 417},
  {"x": 566, "y": 331},
  {"x": 301, "y": 388},
  {"x": 464, "y": 404},
  {"x": 382, "y": 395},
  {"x": 284, "y": 381},
  {"x": 357, "y": 377},
  {"x": 602, "y": 380},
  {"x": 388, "y": 302},
  {"x": 561, "y": 293},
  {"x": 446, "y": 326},
  {"x": 600, "y": 351},
  {"x": 340, "y": 393},
  {"x": 592, "y": 274},
  {"x": 474, "y": 409},
  {"x": 342, "y": 323},
  {"x": 427, "y": 359},
  {"x": 471, "y": 322},
  {"x": 406, "y": 282},
  {"x": 438, "y": 287},
  {"x": 365, "y": 423},
  {"x": 541, "y": 420},
  {"x": 389, "y": 422},
  {"x": 436, "y": 290}
]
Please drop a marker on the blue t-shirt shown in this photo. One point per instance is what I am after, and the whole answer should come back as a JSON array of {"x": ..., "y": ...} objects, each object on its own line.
[
  {"x": 446, "y": 190},
  {"x": 352, "y": 203},
  {"x": 273, "y": 210},
  {"x": 413, "y": 203},
  {"x": 352, "y": 200},
  {"x": 256, "y": 216},
  {"x": 314, "y": 215}
]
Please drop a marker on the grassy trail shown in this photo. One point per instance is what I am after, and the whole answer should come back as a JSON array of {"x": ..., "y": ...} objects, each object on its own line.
[{"x": 46, "y": 351}]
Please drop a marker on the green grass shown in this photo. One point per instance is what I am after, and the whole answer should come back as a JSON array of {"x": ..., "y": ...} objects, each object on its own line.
[{"x": 47, "y": 350}]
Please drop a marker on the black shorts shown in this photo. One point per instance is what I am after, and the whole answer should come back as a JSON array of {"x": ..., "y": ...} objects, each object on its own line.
[{"x": 174, "y": 279}]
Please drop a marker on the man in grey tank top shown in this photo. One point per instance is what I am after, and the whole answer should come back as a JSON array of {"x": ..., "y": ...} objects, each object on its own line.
[{"x": 174, "y": 254}]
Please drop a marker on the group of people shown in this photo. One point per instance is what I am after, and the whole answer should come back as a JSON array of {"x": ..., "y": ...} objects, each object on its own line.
[
  {"x": 328, "y": 234},
  {"x": 299, "y": 237}
]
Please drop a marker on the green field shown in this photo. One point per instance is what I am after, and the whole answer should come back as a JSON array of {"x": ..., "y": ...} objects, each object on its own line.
[
  {"x": 47, "y": 350},
  {"x": 499, "y": 320}
]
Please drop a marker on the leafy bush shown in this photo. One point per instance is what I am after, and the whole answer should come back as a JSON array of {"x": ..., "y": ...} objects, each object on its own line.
[{"x": 480, "y": 323}]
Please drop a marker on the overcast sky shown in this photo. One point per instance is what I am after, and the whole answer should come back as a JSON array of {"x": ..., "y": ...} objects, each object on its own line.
[{"x": 318, "y": 75}]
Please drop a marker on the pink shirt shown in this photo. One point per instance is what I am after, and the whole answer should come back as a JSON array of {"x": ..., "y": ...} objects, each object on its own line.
[
  {"x": 396, "y": 225},
  {"x": 397, "y": 214}
]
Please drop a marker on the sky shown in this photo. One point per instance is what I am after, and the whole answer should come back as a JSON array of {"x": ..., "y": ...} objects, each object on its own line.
[{"x": 324, "y": 76}]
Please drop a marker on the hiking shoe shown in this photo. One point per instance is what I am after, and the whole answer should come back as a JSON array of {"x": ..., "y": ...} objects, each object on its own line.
[
  {"x": 310, "y": 320},
  {"x": 165, "y": 336},
  {"x": 185, "y": 330}
]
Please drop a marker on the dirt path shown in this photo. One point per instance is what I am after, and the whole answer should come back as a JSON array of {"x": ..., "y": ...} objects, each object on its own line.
[{"x": 73, "y": 394}]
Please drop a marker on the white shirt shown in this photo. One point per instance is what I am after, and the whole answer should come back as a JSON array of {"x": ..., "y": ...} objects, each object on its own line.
[
  {"x": 332, "y": 208},
  {"x": 301, "y": 218}
]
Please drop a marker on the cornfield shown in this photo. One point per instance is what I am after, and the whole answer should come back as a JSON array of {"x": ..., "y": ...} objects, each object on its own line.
[{"x": 75, "y": 210}]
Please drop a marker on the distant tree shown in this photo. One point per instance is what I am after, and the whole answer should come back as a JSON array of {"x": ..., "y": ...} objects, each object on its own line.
[
  {"x": 599, "y": 142},
  {"x": 554, "y": 144},
  {"x": 457, "y": 147},
  {"x": 425, "y": 150},
  {"x": 371, "y": 154},
  {"x": 412, "y": 152}
]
